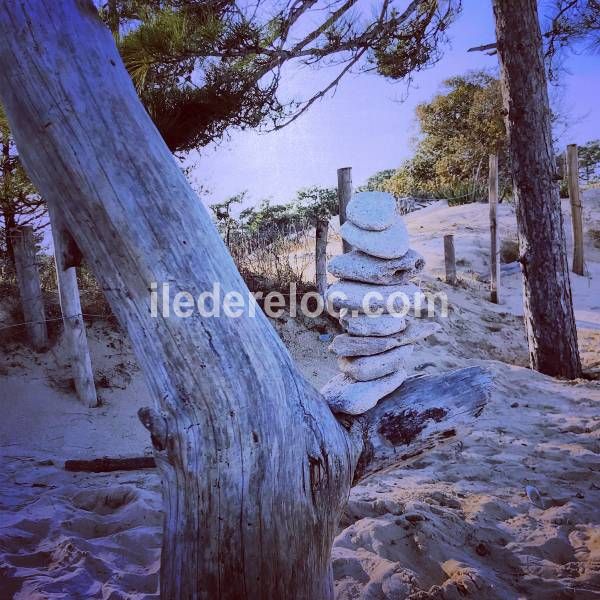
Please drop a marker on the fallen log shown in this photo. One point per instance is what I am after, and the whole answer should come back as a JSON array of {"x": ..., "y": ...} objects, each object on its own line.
[
  {"x": 107, "y": 464},
  {"x": 425, "y": 412}
]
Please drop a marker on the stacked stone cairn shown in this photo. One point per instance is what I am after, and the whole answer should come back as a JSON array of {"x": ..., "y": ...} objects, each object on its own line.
[{"x": 372, "y": 353}]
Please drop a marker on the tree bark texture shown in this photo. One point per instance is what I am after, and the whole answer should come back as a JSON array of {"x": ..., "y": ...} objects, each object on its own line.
[
  {"x": 30, "y": 289},
  {"x": 548, "y": 306},
  {"x": 70, "y": 306},
  {"x": 255, "y": 468}
]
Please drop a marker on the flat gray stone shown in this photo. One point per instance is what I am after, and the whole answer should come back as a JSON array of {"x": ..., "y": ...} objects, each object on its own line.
[
  {"x": 344, "y": 395},
  {"x": 350, "y": 345},
  {"x": 365, "y": 325},
  {"x": 358, "y": 266},
  {"x": 374, "y": 211},
  {"x": 365, "y": 298},
  {"x": 367, "y": 368},
  {"x": 390, "y": 243}
]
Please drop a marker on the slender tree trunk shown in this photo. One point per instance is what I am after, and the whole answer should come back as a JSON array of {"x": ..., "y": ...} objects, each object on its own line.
[
  {"x": 70, "y": 305},
  {"x": 548, "y": 305},
  {"x": 255, "y": 468},
  {"x": 321, "y": 230},
  {"x": 30, "y": 288}
]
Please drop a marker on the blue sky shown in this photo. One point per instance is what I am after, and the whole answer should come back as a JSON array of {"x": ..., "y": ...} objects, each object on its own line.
[{"x": 369, "y": 122}]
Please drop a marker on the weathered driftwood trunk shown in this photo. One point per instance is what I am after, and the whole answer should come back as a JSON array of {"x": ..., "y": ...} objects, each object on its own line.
[
  {"x": 321, "y": 231},
  {"x": 449, "y": 259},
  {"x": 30, "y": 289},
  {"x": 254, "y": 466},
  {"x": 344, "y": 177},
  {"x": 494, "y": 242},
  {"x": 549, "y": 318},
  {"x": 576, "y": 209},
  {"x": 70, "y": 305}
]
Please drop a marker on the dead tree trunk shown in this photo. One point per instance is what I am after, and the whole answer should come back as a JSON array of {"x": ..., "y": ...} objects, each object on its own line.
[
  {"x": 494, "y": 245},
  {"x": 321, "y": 230},
  {"x": 30, "y": 288},
  {"x": 70, "y": 305},
  {"x": 255, "y": 467},
  {"x": 549, "y": 318},
  {"x": 576, "y": 211},
  {"x": 344, "y": 176}
]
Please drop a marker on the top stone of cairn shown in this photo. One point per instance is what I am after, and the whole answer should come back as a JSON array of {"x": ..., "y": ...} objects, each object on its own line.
[{"x": 373, "y": 211}]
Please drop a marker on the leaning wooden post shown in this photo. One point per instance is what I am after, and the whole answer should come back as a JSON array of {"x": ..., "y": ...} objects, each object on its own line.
[
  {"x": 70, "y": 305},
  {"x": 30, "y": 287},
  {"x": 494, "y": 245},
  {"x": 344, "y": 176},
  {"x": 576, "y": 212},
  {"x": 450, "y": 259},
  {"x": 322, "y": 229}
]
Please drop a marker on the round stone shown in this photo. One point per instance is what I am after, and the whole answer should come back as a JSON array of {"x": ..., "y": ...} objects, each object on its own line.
[
  {"x": 390, "y": 243},
  {"x": 374, "y": 211}
]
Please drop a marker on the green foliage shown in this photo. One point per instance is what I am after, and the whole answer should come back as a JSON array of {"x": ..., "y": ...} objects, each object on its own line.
[
  {"x": 19, "y": 202},
  {"x": 459, "y": 129},
  {"x": 317, "y": 203},
  {"x": 378, "y": 182},
  {"x": 204, "y": 67},
  {"x": 589, "y": 161}
]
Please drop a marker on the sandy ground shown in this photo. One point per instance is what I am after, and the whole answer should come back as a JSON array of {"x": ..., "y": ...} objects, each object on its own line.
[{"x": 457, "y": 523}]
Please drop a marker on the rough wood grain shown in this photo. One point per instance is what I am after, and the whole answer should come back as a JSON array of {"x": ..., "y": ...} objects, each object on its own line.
[
  {"x": 423, "y": 412},
  {"x": 70, "y": 305},
  {"x": 255, "y": 469},
  {"x": 548, "y": 305}
]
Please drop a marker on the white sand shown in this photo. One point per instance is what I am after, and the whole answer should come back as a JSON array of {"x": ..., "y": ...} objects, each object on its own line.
[{"x": 457, "y": 523}]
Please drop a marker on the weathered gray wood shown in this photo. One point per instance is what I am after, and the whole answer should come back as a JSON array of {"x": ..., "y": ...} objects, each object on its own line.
[
  {"x": 344, "y": 177},
  {"x": 30, "y": 289},
  {"x": 70, "y": 305},
  {"x": 423, "y": 412},
  {"x": 548, "y": 306},
  {"x": 255, "y": 468},
  {"x": 494, "y": 242},
  {"x": 449, "y": 259},
  {"x": 321, "y": 231},
  {"x": 108, "y": 464},
  {"x": 576, "y": 209}
]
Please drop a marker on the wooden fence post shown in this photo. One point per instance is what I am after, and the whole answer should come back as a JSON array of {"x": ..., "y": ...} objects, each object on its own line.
[
  {"x": 322, "y": 229},
  {"x": 70, "y": 305},
  {"x": 344, "y": 176},
  {"x": 494, "y": 245},
  {"x": 30, "y": 287},
  {"x": 450, "y": 259},
  {"x": 576, "y": 212}
]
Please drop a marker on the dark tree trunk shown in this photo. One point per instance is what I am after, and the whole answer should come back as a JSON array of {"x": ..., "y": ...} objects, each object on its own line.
[
  {"x": 548, "y": 305},
  {"x": 255, "y": 468}
]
